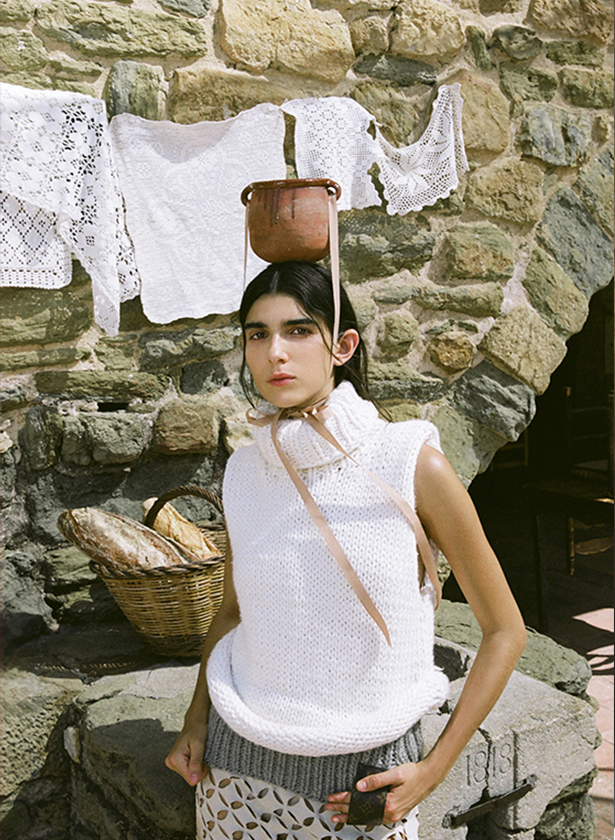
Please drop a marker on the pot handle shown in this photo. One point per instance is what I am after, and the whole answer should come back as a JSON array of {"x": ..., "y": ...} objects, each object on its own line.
[{"x": 331, "y": 186}]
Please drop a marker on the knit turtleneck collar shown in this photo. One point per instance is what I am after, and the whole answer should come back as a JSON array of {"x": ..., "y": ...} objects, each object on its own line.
[{"x": 352, "y": 420}]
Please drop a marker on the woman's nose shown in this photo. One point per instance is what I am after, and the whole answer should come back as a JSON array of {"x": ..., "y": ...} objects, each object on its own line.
[{"x": 277, "y": 349}]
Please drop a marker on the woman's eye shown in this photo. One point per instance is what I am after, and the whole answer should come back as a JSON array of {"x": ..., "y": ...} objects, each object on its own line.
[
  {"x": 255, "y": 336},
  {"x": 301, "y": 331}
]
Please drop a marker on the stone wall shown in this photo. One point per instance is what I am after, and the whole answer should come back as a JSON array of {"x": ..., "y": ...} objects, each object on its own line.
[{"x": 466, "y": 305}]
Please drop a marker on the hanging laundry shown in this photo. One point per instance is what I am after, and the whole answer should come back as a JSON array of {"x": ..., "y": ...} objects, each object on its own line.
[
  {"x": 59, "y": 194},
  {"x": 182, "y": 186},
  {"x": 332, "y": 140}
]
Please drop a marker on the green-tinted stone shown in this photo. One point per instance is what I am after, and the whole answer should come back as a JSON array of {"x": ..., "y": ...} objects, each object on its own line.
[
  {"x": 574, "y": 237},
  {"x": 12, "y": 396},
  {"x": 587, "y": 88},
  {"x": 555, "y": 135},
  {"x": 478, "y": 42},
  {"x": 168, "y": 350},
  {"x": 374, "y": 244},
  {"x": 134, "y": 88},
  {"x": 399, "y": 71},
  {"x": 595, "y": 187},
  {"x": 397, "y": 379},
  {"x": 397, "y": 115},
  {"x": 42, "y": 436},
  {"x": 41, "y": 316},
  {"x": 195, "y": 8},
  {"x": 527, "y": 82},
  {"x": 400, "y": 330},
  {"x": 468, "y": 445},
  {"x": 184, "y": 427},
  {"x": 116, "y": 438},
  {"x": 106, "y": 30},
  {"x": 35, "y": 81},
  {"x": 519, "y": 42},
  {"x": 575, "y": 52},
  {"x": 116, "y": 353},
  {"x": 481, "y": 300},
  {"x": 495, "y": 400},
  {"x": 554, "y": 296},
  {"x": 479, "y": 252},
  {"x": 490, "y": 7},
  {"x": 22, "y": 50},
  {"x": 42, "y": 358},
  {"x": 101, "y": 386}
]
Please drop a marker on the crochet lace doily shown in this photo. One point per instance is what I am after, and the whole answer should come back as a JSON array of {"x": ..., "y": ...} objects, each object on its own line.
[
  {"x": 182, "y": 186},
  {"x": 60, "y": 194},
  {"x": 332, "y": 141}
]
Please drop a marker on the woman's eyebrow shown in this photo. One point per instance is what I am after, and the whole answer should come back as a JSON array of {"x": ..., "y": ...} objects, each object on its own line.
[{"x": 293, "y": 322}]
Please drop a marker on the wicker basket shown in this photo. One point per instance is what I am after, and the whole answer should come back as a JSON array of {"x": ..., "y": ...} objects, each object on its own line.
[{"x": 171, "y": 607}]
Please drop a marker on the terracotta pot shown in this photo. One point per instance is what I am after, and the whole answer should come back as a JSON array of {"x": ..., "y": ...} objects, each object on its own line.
[{"x": 289, "y": 220}]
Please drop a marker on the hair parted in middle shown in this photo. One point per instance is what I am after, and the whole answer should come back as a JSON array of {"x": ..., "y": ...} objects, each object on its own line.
[{"x": 309, "y": 284}]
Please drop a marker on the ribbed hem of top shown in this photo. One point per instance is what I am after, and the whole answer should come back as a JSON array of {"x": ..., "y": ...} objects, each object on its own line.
[{"x": 313, "y": 776}]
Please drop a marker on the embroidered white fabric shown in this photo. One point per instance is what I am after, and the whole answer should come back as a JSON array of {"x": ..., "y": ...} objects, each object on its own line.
[
  {"x": 332, "y": 140},
  {"x": 59, "y": 194},
  {"x": 418, "y": 175},
  {"x": 182, "y": 186}
]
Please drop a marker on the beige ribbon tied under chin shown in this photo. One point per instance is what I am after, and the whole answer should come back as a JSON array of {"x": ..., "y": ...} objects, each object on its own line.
[{"x": 315, "y": 416}]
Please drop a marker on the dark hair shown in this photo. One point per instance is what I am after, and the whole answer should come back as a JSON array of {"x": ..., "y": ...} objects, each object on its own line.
[{"x": 309, "y": 284}]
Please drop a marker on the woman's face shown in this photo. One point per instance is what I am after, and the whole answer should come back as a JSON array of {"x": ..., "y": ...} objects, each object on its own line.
[{"x": 285, "y": 351}]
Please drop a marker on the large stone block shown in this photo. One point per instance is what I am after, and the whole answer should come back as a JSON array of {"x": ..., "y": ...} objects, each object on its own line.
[
  {"x": 16, "y": 10},
  {"x": 468, "y": 445},
  {"x": 485, "y": 116},
  {"x": 41, "y": 316},
  {"x": 555, "y": 135},
  {"x": 426, "y": 30},
  {"x": 508, "y": 190},
  {"x": 581, "y": 18},
  {"x": 104, "y": 30},
  {"x": 399, "y": 380},
  {"x": 370, "y": 36},
  {"x": 554, "y": 295},
  {"x": 31, "y": 709},
  {"x": 527, "y": 82},
  {"x": 522, "y": 344},
  {"x": 22, "y": 50},
  {"x": 101, "y": 385},
  {"x": 400, "y": 330},
  {"x": 207, "y": 93},
  {"x": 24, "y": 612},
  {"x": 116, "y": 438},
  {"x": 397, "y": 115},
  {"x": 587, "y": 88},
  {"x": 42, "y": 433},
  {"x": 478, "y": 252},
  {"x": 297, "y": 38},
  {"x": 570, "y": 232},
  {"x": 595, "y": 186},
  {"x": 399, "y": 71},
  {"x": 478, "y": 42},
  {"x": 134, "y": 88},
  {"x": 169, "y": 350},
  {"x": 575, "y": 52},
  {"x": 480, "y": 300},
  {"x": 494, "y": 399},
  {"x": 374, "y": 244},
  {"x": 59, "y": 356},
  {"x": 184, "y": 426},
  {"x": 519, "y": 42}
]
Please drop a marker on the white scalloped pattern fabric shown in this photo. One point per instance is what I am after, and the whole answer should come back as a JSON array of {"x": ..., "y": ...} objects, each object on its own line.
[
  {"x": 332, "y": 141},
  {"x": 59, "y": 193}
]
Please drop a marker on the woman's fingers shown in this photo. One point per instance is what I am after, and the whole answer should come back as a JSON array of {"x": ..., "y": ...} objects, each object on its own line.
[{"x": 186, "y": 758}]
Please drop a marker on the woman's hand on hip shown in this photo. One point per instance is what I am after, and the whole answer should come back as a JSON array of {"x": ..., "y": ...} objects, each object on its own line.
[
  {"x": 186, "y": 757},
  {"x": 410, "y": 784}
]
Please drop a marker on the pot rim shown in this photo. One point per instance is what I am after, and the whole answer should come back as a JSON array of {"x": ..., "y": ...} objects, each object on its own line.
[{"x": 291, "y": 183}]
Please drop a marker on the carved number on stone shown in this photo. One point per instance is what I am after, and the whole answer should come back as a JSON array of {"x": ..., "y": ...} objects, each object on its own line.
[{"x": 478, "y": 763}]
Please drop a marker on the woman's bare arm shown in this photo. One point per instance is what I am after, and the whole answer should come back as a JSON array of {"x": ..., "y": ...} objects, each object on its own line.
[
  {"x": 186, "y": 757},
  {"x": 448, "y": 514}
]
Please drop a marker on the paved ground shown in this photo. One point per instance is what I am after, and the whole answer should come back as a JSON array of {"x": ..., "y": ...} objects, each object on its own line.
[{"x": 580, "y": 606}]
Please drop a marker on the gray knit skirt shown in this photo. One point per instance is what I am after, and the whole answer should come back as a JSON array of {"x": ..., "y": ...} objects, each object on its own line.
[{"x": 233, "y": 807}]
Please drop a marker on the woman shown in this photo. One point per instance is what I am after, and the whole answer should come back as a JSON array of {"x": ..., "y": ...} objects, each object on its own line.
[{"x": 313, "y": 667}]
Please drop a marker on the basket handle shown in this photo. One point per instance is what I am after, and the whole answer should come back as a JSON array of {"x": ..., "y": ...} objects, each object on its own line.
[{"x": 185, "y": 490}]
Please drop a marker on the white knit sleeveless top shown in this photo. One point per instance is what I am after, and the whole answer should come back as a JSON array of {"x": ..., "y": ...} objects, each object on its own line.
[{"x": 306, "y": 671}]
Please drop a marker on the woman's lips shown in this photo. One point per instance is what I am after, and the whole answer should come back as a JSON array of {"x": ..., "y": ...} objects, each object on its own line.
[{"x": 281, "y": 379}]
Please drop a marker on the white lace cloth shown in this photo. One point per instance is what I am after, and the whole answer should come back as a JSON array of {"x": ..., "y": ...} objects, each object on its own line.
[
  {"x": 59, "y": 194},
  {"x": 182, "y": 186},
  {"x": 332, "y": 141}
]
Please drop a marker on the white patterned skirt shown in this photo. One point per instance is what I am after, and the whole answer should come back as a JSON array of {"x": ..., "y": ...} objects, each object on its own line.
[{"x": 231, "y": 807}]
